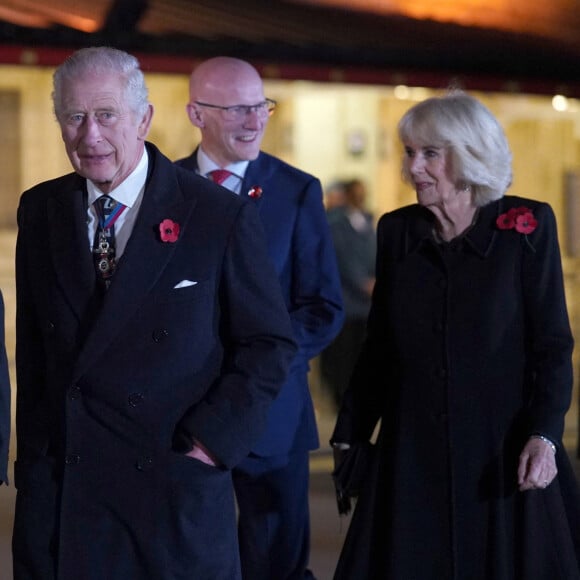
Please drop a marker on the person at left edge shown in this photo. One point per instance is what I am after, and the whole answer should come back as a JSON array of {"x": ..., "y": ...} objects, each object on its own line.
[
  {"x": 4, "y": 401},
  {"x": 133, "y": 406},
  {"x": 228, "y": 106}
]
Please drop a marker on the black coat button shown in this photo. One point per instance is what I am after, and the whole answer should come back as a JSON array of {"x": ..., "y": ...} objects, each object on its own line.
[
  {"x": 160, "y": 334},
  {"x": 74, "y": 392},
  {"x": 135, "y": 399},
  {"x": 72, "y": 459},
  {"x": 144, "y": 463}
]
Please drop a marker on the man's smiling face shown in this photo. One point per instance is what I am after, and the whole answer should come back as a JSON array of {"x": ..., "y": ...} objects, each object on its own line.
[{"x": 104, "y": 138}]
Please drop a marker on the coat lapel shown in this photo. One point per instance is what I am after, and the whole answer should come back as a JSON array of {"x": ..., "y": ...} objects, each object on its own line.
[
  {"x": 69, "y": 245},
  {"x": 479, "y": 238},
  {"x": 482, "y": 235},
  {"x": 190, "y": 162},
  {"x": 257, "y": 176},
  {"x": 143, "y": 261},
  {"x": 418, "y": 230}
]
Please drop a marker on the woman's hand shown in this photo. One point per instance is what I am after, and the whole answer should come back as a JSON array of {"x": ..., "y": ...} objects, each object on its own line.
[{"x": 537, "y": 466}]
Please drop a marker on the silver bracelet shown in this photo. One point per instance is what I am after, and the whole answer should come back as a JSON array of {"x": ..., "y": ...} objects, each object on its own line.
[{"x": 545, "y": 440}]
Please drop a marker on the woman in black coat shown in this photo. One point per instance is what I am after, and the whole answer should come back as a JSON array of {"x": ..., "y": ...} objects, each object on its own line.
[{"x": 467, "y": 367}]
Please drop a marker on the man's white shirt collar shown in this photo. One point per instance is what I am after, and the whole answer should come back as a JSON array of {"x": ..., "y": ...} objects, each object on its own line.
[
  {"x": 129, "y": 190},
  {"x": 205, "y": 165}
]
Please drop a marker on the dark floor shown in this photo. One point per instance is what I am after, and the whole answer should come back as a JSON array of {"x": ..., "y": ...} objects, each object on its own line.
[{"x": 328, "y": 529}]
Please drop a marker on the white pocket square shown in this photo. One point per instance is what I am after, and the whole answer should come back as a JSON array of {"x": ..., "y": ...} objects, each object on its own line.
[{"x": 184, "y": 284}]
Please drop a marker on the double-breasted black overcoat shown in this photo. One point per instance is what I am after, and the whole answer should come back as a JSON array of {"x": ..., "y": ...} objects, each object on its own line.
[
  {"x": 192, "y": 340},
  {"x": 468, "y": 354}
]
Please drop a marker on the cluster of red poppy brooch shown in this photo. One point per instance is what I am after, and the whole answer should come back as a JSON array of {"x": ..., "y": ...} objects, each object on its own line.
[{"x": 520, "y": 219}]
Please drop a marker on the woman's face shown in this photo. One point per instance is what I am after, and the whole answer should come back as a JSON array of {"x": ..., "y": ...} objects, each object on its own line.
[{"x": 429, "y": 169}]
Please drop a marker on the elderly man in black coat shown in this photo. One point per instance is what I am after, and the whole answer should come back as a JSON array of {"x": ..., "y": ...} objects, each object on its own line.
[{"x": 144, "y": 378}]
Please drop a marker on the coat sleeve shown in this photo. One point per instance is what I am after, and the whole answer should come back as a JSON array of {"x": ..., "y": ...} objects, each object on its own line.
[
  {"x": 316, "y": 295},
  {"x": 30, "y": 355},
  {"x": 4, "y": 400},
  {"x": 548, "y": 329},
  {"x": 256, "y": 334}
]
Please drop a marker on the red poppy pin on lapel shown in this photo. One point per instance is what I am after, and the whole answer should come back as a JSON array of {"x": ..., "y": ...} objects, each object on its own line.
[
  {"x": 169, "y": 231},
  {"x": 520, "y": 219},
  {"x": 255, "y": 192}
]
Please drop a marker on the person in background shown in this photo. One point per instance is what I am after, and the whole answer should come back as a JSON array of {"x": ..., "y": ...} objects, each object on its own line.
[
  {"x": 228, "y": 106},
  {"x": 145, "y": 375},
  {"x": 467, "y": 365},
  {"x": 354, "y": 238},
  {"x": 334, "y": 196},
  {"x": 5, "y": 418}
]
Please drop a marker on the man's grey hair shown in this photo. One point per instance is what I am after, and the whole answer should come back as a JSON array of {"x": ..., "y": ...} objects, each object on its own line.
[{"x": 98, "y": 60}]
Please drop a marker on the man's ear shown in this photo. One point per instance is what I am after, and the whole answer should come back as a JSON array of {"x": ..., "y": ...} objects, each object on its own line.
[
  {"x": 194, "y": 114},
  {"x": 145, "y": 123}
]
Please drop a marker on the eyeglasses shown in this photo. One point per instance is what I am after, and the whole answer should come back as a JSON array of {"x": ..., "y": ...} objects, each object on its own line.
[{"x": 240, "y": 112}]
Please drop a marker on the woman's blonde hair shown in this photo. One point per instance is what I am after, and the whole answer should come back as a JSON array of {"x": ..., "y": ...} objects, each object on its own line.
[{"x": 479, "y": 153}]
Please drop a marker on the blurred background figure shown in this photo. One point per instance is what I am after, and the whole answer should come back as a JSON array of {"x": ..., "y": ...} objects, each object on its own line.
[
  {"x": 353, "y": 234},
  {"x": 334, "y": 195}
]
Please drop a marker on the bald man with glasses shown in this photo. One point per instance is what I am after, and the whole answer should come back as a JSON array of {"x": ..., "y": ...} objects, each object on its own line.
[{"x": 228, "y": 106}]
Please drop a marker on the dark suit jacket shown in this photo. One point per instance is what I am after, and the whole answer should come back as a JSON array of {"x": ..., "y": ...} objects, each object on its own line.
[
  {"x": 106, "y": 396},
  {"x": 4, "y": 400},
  {"x": 301, "y": 248}
]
